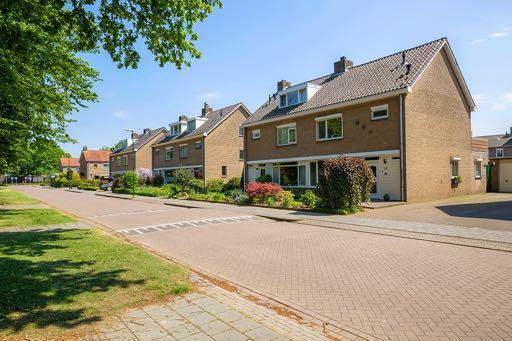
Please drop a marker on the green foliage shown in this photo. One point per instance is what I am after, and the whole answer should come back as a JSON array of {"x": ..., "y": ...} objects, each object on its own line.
[
  {"x": 309, "y": 198},
  {"x": 42, "y": 80},
  {"x": 270, "y": 200},
  {"x": 130, "y": 180},
  {"x": 267, "y": 178},
  {"x": 118, "y": 182},
  {"x": 196, "y": 186},
  {"x": 234, "y": 195},
  {"x": 233, "y": 183},
  {"x": 214, "y": 185},
  {"x": 286, "y": 198},
  {"x": 344, "y": 183},
  {"x": 157, "y": 180},
  {"x": 41, "y": 156},
  {"x": 182, "y": 178}
]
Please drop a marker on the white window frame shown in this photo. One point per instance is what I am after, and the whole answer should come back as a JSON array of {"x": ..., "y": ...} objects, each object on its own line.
[
  {"x": 118, "y": 163},
  {"x": 125, "y": 160},
  {"x": 256, "y": 134},
  {"x": 284, "y": 126},
  {"x": 222, "y": 173},
  {"x": 179, "y": 151},
  {"x": 305, "y": 89},
  {"x": 241, "y": 154},
  {"x": 502, "y": 152},
  {"x": 172, "y": 153},
  {"x": 276, "y": 168},
  {"x": 478, "y": 162},
  {"x": 455, "y": 159},
  {"x": 327, "y": 118},
  {"x": 380, "y": 108},
  {"x": 240, "y": 131}
]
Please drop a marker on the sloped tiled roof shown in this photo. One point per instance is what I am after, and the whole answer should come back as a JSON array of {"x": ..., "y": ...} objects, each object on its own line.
[
  {"x": 96, "y": 155},
  {"x": 373, "y": 78},
  {"x": 141, "y": 140},
  {"x": 213, "y": 118},
  {"x": 70, "y": 162},
  {"x": 497, "y": 141}
]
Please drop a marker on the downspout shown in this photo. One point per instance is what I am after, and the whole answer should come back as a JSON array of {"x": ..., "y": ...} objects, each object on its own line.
[
  {"x": 203, "y": 145},
  {"x": 402, "y": 155},
  {"x": 244, "y": 146}
]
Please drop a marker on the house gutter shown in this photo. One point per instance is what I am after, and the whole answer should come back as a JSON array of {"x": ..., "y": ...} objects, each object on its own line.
[{"x": 402, "y": 171}]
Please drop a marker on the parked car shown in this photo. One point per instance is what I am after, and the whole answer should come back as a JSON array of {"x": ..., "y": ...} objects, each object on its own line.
[{"x": 107, "y": 186}]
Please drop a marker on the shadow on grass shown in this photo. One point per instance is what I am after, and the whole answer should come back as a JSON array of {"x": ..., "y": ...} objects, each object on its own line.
[{"x": 39, "y": 291}]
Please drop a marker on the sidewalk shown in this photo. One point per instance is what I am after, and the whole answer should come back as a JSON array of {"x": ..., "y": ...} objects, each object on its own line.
[{"x": 500, "y": 240}]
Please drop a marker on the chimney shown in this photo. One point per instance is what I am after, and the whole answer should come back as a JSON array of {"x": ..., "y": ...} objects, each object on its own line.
[
  {"x": 206, "y": 109},
  {"x": 84, "y": 148},
  {"x": 183, "y": 118},
  {"x": 146, "y": 130},
  {"x": 283, "y": 84},
  {"x": 342, "y": 65}
]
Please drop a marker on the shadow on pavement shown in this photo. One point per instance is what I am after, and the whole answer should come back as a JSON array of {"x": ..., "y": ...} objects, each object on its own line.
[{"x": 500, "y": 210}]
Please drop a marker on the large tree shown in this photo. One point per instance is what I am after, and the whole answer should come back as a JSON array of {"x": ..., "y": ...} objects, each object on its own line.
[
  {"x": 41, "y": 157},
  {"x": 42, "y": 78}
]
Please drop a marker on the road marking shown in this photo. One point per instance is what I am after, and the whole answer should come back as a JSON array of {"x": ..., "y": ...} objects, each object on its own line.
[
  {"x": 125, "y": 213},
  {"x": 188, "y": 223}
]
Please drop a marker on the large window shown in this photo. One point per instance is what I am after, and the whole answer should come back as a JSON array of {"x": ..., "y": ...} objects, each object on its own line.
[
  {"x": 293, "y": 97},
  {"x": 329, "y": 127},
  {"x": 168, "y": 153},
  {"x": 106, "y": 166},
  {"x": 286, "y": 134},
  {"x": 183, "y": 151},
  {"x": 499, "y": 152},
  {"x": 478, "y": 169},
  {"x": 290, "y": 174}
]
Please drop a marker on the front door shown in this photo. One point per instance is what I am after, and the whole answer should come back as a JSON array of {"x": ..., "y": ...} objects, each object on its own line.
[{"x": 374, "y": 164}]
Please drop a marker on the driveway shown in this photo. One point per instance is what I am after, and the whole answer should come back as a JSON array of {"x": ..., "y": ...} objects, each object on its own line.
[
  {"x": 491, "y": 211},
  {"x": 388, "y": 287}
]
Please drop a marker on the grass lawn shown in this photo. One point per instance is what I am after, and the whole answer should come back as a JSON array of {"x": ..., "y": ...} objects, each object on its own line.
[
  {"x": 32, "y": 217},
  {"x": 55, "y": 284},
  {"x": 9, "y": 197}
]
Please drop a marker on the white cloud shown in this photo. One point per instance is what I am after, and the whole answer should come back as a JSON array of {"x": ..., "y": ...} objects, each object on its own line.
[
  {"x": 208, "y": 96},
  {"x": 507, "y": 97},
  {"x": 119, "y": 114},
  {"x": 498, "y": 106},
  {"x": 480, "y": 98},
  {"x": 498, "y": 34}
]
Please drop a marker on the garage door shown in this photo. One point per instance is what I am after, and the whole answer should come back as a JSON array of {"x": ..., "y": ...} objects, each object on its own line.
[{"x": 505, "y": 176}]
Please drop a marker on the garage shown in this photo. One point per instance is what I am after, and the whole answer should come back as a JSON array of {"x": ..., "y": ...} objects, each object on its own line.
[{"x": 505, "y": 175}]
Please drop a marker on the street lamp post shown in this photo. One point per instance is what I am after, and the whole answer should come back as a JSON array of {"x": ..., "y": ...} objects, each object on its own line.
[{"x": 133, "y": 153}]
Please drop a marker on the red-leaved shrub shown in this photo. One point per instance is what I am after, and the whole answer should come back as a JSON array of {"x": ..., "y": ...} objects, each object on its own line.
[{"x": 259, "y": 192}]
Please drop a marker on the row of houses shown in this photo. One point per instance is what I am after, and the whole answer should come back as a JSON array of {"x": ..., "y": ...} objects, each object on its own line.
[{"x": 408, "y": 115}]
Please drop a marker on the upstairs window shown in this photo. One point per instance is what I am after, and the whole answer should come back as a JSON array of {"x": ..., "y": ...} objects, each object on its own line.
[
  {"x": 241, "y": 131},
  {"x": 157, "y": 152},
  {"x": 329, "y": 127},
  {"x": 499, "y": 152},
  {"x": 256, "y": 134},
  {"x": 133, "y": 156},
  {"x": 292, "y": 98},
  {"x": 175, "y": 129},
  {"x": 183, "y": 151},
  {"x": 198, "y": 145},
  {"x": 106, "y": 166},
  {"x": 380, "y": 112},
  {"x": 125, "y": 160},
  {"x": 118, "y": 161},
  {"x": 168, "y": 153},
  {"x": 286, "y": 134},
  {"x": 241, "y": 154},
  {"x": 282, "y": 100}
]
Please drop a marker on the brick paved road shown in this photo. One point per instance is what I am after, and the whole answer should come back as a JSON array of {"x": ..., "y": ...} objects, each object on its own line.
[{"x": 385, "y": 286}]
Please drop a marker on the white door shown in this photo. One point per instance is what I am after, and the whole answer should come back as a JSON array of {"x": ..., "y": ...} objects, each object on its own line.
[
  {"x": 374, "y": 166},
  {"x": 505, "y": 176},
  {"x": 390, "y": 177}
]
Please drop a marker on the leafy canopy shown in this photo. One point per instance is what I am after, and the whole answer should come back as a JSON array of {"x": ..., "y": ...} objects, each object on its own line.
[{"x": 42, "y": 78}]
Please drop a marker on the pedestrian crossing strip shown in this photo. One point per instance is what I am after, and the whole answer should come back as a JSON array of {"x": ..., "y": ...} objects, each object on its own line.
[{"x": 186, "y": 224}]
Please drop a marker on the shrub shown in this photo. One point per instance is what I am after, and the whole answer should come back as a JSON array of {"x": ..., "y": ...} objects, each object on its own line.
[
  {"x": 196, "y": 186},
  {"x": 286, "y": 198},
  {"x": 130, "y": 180},
  {"x": 270, "y": 200},
  {"x": 233, "y": 183},
  {"x": 182, "y": 178},
  {"x": 218, "y": 197},
  {"x": 157, "y": 180},
  {"x": 259, "y": 192},
  {"x": 234, "y": 194},
  {"x": 309, "y": 198},
  {"x": 214, "y": 185},
  {"x": 344, "y": 183},
  {"x": 266, "y": 178},
  {"x": 118, "y": 182}
]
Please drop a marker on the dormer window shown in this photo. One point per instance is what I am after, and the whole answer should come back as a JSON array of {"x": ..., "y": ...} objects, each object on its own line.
[
  {"x": 297, "y": 94},
  {"x": 175, "y": 130}
]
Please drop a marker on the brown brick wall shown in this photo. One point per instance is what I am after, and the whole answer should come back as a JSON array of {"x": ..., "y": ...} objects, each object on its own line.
[
  {"x": 195, "y": 156},
  {"x": 437, "y": 127},
  {"x": 113, "y": 162},
  {"x": 223, "y": 145},
  {"x": 360, "y": 134}
]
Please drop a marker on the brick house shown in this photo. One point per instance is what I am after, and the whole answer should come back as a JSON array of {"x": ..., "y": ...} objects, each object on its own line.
[
  {"x": 408, "y": 115},
  {"x": 69, "y": 164},
  {"x": 208, "y": 146},
  {"x": 94, "y": 164},
  {"x": 500, "y": 161},
  {"x": 135, "y": 153}
]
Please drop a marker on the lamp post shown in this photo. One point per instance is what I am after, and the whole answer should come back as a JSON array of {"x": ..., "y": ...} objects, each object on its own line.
[{"x": 133, "y": 153}]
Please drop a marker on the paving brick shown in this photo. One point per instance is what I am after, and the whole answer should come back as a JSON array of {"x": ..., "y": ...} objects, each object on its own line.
[
  {"x": 231, "y": 335},
  {"x": 245, "y": 324},
  {"x": 262, "y": 333}
]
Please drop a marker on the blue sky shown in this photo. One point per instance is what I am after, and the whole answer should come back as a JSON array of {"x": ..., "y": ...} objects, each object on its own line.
[{"x": 248, "y": 46}]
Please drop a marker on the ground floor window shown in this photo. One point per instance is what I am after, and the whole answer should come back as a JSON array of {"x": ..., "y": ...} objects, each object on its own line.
[
  {"x": 289, "y": 174},
  {"x": 224, "y": 171},
  {"x": 478, "y": 169},
  {"x": 455, "y": 167}
]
